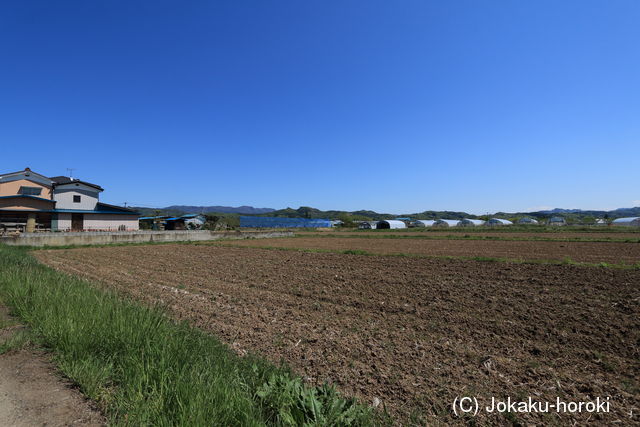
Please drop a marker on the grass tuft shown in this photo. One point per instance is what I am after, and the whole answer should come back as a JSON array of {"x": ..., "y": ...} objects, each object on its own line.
[{"x": 17, "y": 341}]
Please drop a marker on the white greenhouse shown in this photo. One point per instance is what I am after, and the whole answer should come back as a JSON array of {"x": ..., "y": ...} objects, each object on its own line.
[
  {"x": 527, "y": 221},
  {"x": 446, "y": 223},
  {"x": 368, "y": 225},
  {"x": 627, "y": 222},
  {"x": 391, "y": 223},
  {"x": 498, "y": 221},
  {"x": 557, "y": 220},
  {"x": 470, "y": 222},
  {"x": 423, "y": 223}
]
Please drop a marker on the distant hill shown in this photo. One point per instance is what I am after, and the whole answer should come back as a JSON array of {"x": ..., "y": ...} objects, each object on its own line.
[
  {"x": 573, "y": 215},
  {"x": 616, "y": 213},
  {"x": 309, "y": 212},
  {"x": 245, "y": 210},
  {"x": 176, "y": 210}
]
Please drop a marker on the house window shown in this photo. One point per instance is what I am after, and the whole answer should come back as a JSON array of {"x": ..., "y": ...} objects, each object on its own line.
[
  {"x": 30, "y": 191},
  {"x": 76, "y": 199}
]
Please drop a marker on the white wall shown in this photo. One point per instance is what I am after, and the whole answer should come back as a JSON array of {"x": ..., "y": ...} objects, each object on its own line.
[
  {"x": 100, "y": 222},
  {"x": 64, "y": 197},
  {"x": 64, "y": 221},
  {"x": 109, "y": 222}
]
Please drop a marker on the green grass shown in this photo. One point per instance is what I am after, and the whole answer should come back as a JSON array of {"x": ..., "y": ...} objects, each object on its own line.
[
  {"x": 145, "y": 369},
  {"x": 18, "y": 340}
]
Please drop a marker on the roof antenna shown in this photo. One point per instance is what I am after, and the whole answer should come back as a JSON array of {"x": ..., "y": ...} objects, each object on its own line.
[{"x": 70, "y": 170}]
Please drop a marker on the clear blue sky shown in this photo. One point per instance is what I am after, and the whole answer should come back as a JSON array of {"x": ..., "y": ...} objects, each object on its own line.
[{"x": 395, "y": 106}]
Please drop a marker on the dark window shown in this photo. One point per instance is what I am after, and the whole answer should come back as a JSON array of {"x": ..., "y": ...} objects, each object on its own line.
[
  {"x": 30, "y": 191},
  {"x": 76, "y": 199}
]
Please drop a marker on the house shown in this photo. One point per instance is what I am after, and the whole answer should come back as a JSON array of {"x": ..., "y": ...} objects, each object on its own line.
[{"x": 30, "y": 201}]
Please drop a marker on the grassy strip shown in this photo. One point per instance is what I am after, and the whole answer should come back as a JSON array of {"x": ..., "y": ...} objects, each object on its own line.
[
  {"x": 426, "y": 236},
  {"x": 565, "y": 261},
  {"x": 145, "y": 369}
]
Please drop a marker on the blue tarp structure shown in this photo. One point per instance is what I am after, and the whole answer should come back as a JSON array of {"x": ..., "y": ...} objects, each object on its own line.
[{"x": 275, "y": 222}]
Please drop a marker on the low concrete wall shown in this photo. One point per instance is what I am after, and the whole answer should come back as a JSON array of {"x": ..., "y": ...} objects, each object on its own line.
[{"x": 103, "y": 238}]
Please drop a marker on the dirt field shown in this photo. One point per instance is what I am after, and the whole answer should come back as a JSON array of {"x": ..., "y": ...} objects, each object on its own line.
[
  {"x": 412, "y": 332},
  {"x": 504, "y": 234},
  {"x": 32, "y": 393},
  {"x": 592, "y": 252}
]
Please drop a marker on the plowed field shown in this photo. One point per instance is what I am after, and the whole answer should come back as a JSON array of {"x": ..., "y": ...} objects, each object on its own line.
[
  {"x": 457, "y": 233},
  {"x": 590, "y": 252},
  {"x": 413, "y": 333}
]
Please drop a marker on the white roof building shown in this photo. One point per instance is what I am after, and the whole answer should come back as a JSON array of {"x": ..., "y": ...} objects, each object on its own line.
[
  {"x": 628, "y": 222},
  {"x": 557, "y": 220},
  {"x": 391, "y": 223},
  {"x": 446, "y": 223},
  {"x": 368, "y": 225},
  {"x": 470, "y": 222},
  {"x": 498, "y": 221},
  {"x": 527, "y": 220}
]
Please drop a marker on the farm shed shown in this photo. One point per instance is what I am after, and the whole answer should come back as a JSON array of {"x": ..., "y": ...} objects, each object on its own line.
[
  {"x": 527, "y": 221},
  {"x": 470, "y": 222},
  {"x": 186, "y": 222},
  {"x": 557, "y": 220},
  {"x": 423, "y": 223},
  {"x": 368, "y": 225},
  {"x": 446, "y": 223},
  {"x": 627, "y": 222},
  {"x": 498, "y": 221},
  {"x": 277, "y": 222},
  {"x": 153, "y": 222},
  {"x": 391, "y": 223}
]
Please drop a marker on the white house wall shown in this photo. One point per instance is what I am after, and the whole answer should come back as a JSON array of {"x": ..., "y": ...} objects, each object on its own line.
[
  {"x": 64, "y": 198},
  {"x": 108, "y": 222},
  {"x": 64, "y": 221}
]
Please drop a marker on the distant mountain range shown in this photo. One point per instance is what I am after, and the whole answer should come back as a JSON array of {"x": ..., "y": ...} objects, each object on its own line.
[
  {"x": 620, "y": 212},
  {"x": 184, "y": 209},
  {"x": 245, "y": 210},
  {"x": 569, "y": 214},
  {"x": 309, "y": 212}
]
